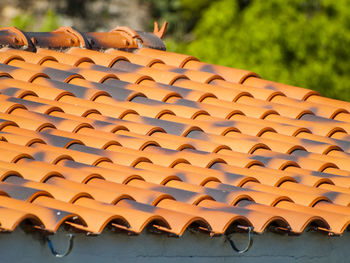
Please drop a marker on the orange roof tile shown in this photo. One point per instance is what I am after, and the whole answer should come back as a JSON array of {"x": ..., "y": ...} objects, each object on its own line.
[{"x": 109, "y": 129}]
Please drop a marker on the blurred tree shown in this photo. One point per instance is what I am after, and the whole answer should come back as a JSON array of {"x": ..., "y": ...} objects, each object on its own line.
[
  {"x": 23, "y": 21},
  {"x": 50, "y": 22},
  {"x": 182, "y": 15},
  {"x": 26, "y": 21},
  {"x": 299, "y": 42}
]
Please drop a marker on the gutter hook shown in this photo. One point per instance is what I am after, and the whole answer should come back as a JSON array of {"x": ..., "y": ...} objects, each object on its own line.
[
  {"x": 250, "y": 241},
  {"x": 70, "y": 246}
]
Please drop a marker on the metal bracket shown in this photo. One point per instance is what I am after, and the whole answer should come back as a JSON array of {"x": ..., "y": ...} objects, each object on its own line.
[
  {"x": 280, "y": 229},
  {"x": 249, "y": 229},
  {"x": 69, "y": 249},
  {"x": 322, "y": 229}
]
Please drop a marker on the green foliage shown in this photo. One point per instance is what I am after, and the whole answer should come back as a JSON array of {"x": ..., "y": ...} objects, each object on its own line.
[
  {"x": 26, "y": 22},
  {"x": 50, "y": 22},
  {"x": 23, "y": 21},
  {"x": 299, "y": 42},
  {"x": 181, "y": 15}
]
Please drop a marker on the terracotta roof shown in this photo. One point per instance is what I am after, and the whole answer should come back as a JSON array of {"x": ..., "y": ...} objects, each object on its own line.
[{"x": 108, "y": 129}]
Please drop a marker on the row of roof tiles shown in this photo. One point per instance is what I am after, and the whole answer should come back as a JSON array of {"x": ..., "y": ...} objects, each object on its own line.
[
  {"x": 65, "y": 37},
  {"x": 151, "y": 138}
]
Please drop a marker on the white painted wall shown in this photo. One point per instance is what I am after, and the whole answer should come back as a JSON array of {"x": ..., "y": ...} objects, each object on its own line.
[{"x": 192, "y": 247}]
